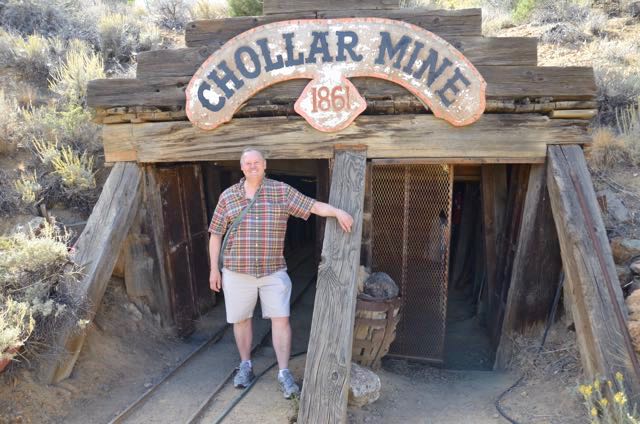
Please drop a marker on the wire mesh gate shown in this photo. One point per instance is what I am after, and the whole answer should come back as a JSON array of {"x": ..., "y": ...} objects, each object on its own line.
[{"x": 411, "y": 205}]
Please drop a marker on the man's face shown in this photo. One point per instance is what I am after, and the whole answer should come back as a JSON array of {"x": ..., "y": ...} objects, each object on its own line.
[{"x": 253, "y": 165}]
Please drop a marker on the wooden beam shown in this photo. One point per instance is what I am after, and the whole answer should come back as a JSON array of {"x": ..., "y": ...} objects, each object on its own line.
[
  {"x": 326, "y": 376},
  {"x": 536, "y": 267},
  {"x": 96, "y": 252},
  {"x": 503, "y": 82},
  {"x": 598, "y": 307},
  {"x": 441, "y": 22},
  {"x": 491, "y": 139},
  {"x": 493, "y": 186},
  {"x": 271, "y": 7},
  {"x": 488, "y": 51}
]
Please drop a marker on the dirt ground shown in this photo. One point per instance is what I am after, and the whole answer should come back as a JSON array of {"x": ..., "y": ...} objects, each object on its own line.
[{"x": 127, "y": 351}]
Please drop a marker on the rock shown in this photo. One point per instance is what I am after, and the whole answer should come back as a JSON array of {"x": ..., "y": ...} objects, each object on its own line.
[
  {"x": 624, "y": 274},
  {"x": 615, "y": 208},
  {"x": 634, "y": 332},
  {"x": 624, "y": 249},
  {"x": 633, "y": 303},
  {"x": 364, "y": 387},
  {"x": 380, "y": 286},
  {"x": 635, "y": 267},
  {"x": 634, "y": 9}
]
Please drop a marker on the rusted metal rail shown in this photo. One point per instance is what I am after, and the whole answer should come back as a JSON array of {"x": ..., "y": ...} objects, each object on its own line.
[{"x": 124, "y": 414}]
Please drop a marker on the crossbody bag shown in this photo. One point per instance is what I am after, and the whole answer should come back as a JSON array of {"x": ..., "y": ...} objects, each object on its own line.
[{"x": 234, "y": 225}]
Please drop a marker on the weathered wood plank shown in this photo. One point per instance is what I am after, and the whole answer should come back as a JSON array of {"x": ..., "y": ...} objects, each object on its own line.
[
  {"x": 598, "y": 307},
  {"x": 326, "y": 376},
  {"x": 536, "y": 267},
  {"x": 492, "y": 137},
  {"x": 441, "y": 22},
  {"x": 96, "y": 252},
  {"x": 489, "y": 51},
  {"x": 493, "y": 186},
  {"x": 503, "y": 82},
  {"x": 286, "y": 6},
  {"x": 573, "y": 114}
]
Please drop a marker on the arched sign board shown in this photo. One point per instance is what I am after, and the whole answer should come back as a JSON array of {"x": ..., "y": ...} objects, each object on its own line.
[{"x": 329, "y": 52}]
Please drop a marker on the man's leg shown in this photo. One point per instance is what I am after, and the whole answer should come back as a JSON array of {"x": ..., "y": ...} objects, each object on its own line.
[
  {"x": 281, "y": 331},
  {"x": 243, "y": 332}
]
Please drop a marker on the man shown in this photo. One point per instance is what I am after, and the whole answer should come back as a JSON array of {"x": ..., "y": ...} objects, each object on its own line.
[{"x": 254, "y": 262}]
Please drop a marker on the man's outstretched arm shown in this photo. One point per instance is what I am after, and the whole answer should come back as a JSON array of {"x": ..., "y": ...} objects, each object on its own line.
[{"x": 324, "y": 209}]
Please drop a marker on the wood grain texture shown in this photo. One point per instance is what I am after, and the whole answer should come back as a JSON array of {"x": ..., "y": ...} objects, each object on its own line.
[
  {"x": 326, "y": 378},
  {"x": 287, "y": 6},
  {"x": 441, "y": 22},
  {"x": 488, "y": 51},
  {"x": 536, "y": 268},
  {"x": 96, "y": 252},
  {"x": 598, "y": 307},
  {"x": 492, "y": 137},
  {"x": 493, "y": 186},
  {"x": 503, "y": 82}
]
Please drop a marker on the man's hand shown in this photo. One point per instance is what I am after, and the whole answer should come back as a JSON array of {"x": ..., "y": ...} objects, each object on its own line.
[
  {"x": 345, "y": 220},
  {"x": 215, "y": 280}
]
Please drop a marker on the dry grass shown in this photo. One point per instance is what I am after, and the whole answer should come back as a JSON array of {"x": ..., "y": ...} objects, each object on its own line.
[
  {"x": 629, "y": 127},
  {"x": 16, "y": 325},
  {"x": 28, "y": 187},
  {"x": 606, "y": 150},
  {"x": 208, "y": 9}
]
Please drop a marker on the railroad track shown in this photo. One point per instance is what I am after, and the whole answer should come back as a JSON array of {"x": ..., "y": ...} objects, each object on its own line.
[{"x": 303, "y": 275}]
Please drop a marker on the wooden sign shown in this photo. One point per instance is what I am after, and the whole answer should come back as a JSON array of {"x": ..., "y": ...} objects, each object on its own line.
[{"x": 328, "y": 52}]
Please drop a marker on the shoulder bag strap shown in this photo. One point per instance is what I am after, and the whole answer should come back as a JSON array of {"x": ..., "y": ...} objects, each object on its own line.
[{"x": 234, "y": 225}]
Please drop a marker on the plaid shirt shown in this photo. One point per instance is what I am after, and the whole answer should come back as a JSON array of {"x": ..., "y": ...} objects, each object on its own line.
[{"x": 256, "y": 246}]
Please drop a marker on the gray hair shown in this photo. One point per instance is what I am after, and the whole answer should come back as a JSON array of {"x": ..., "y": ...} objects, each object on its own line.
[{"x": 252, "y": 149}]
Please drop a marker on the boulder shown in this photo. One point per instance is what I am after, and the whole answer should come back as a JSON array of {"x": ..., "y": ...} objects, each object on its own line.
[
  {"x": 616, "y": 210},
  {"x": 634, "y": 9},
  {"x": 635, "y": 267},
  {"x": 380, "y": 286},
  {"x": 364, "y": 387},
  {"x": 624, "y": 249}
]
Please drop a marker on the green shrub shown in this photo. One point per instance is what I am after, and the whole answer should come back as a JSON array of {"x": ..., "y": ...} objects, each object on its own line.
[
  {"x": 72, "y": 126},
  {"x": 523, "y": 9},
  {"x": 76, "y": 171},
  {"x": 31, "y": 57},
  {"x": 49, "y": 18},
  {"x": 32, "y": 265},
  {"x": 245, "y": 7},
  {"x": 16, "y": 325},
  {"x": 70, "y": 78},
  {"x": 28, "y": 187}
]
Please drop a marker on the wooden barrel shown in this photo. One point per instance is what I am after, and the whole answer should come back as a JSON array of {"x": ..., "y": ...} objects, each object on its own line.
[{"x": 375, "y": 330}]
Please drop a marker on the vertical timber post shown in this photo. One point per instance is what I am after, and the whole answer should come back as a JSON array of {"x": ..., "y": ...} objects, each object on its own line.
[
  {"x": 327, "y": 372},
  {"x": 598, "y": 307}
]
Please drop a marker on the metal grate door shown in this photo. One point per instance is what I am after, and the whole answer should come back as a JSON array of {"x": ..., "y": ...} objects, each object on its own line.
[{"x": 411, "y": 215}]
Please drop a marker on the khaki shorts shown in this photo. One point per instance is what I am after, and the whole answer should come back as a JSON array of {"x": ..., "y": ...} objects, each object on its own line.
[{"x": 241, "y": 295}]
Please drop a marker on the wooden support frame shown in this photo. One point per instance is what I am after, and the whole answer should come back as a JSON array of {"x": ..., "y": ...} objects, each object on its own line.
[
  {"x": 326, "y": 378},
  {"x": 96, "y": 252},
  {"x": 536, "y": 267},
  {"x": 493, "y": 138},
  {"x": 598, "y": 307}
]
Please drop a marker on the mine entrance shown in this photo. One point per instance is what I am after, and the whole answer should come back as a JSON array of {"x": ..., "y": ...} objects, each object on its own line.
[
  {"x": 467, "y": 341},
  {"x": 411, "y": 227}
]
